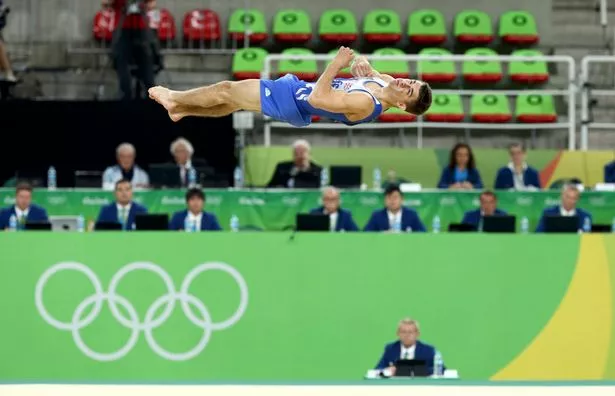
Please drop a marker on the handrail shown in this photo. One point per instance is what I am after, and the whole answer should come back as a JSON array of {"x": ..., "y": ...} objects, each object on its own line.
[{"x": 584, "y": 82}]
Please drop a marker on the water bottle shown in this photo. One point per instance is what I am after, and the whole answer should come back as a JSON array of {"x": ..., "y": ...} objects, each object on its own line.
[
  {"x": 377, "y": 179},
  {"x": 238, "y": 177},
  {"x": 291, "y": 182},
  {"x": 80, "y": 223},
  {"x": 435, "y": 225},
  {"x": 324, "y": 177},
  {"x": 188, "y": 224},
  {"x": 234, "y": 223},
  {"x": 613, "y": 226},
  {"x": 191, "y": 177},
  {"x": 587, "y": 225},
  {"x": 438, "y": 365},
  {"x": 397, "y": 226},
  {"x": 52, "y": 178},
  {"x": 13, "y": 223},
  {"x": 525, "y": 225}
]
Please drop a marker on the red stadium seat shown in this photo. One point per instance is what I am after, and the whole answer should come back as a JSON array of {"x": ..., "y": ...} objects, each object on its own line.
[
  {"x": 162, "y": 22},
  {"x": 396, "y": 115},
  {"x": 201, "y": 25},
  {"x": 104, "y": 25}
]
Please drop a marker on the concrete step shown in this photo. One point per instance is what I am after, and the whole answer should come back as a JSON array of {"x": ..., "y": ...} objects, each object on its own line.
[
  {"x": 589, "y": 17},
  {"x": 575, "y": 4},
  {"x": 578, "y": 35}
]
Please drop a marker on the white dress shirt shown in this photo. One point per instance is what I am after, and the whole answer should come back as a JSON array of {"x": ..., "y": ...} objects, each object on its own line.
[
  {"x": 195, "y": 220},
  {"x": 567, "y": 213},
  {"x": 21, "y": 215},
  {"x": 394, "y": 219},
  {"x": 407, "y": 353},
  {"x": 126, "y": 209},
  {"x": 519, "y": 182},
  {"x": 113, "y": 174},
  {"x": 183, "y": 171},
  {"x": 333, "y": 220}
]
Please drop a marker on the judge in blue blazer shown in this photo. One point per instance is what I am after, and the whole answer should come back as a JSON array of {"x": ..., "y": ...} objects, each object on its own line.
[
  {"x": 194, "y": 217},
  {"x": 408, "y": 347},
  {"x": 341, "y": 220},
  {"x": 123, "y": 210},
  {"x": 568, "y": 207},
  {"x": 488, "y": 207},
  {"x": 461, "y": 172},
  {"x": 23, "y": 210},
  {"x": 394, "y": 217},
  {"x": 517, "y": 174},
  {"x": 609, "y": 173}
]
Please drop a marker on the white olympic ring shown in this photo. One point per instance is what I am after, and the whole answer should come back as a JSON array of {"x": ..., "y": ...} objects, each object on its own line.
[{"x": 150, "y": 322}]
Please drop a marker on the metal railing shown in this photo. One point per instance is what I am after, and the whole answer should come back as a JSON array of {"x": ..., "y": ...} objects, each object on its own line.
[
  {"x": 420, "y": 124},
  {"x": 587, "y": 92}
]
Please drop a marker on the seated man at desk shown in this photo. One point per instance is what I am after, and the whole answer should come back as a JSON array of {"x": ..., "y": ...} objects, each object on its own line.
[
  {"x": 124, "y": 210},
  {"x": 301, "y": 172},
  {"x": 568, "y": 207},
  {"x": 394, "y": 217},
  {"x": 488, "y": 207},
  {"x": 408, "y": 347},
  {"x": 340, "y": 219}
]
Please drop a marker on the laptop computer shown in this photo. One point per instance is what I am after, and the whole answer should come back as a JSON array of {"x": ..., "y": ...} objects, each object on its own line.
[
  {"x": 561, "y": 224},
  {"x": 63, "y": 223},
  {"x": 38, "y": 226},
  {"x": 108, "y": 226},
  {"x": 602, "y": 228},
  {"x": 461, "y": 227},
  {"x": 346, "y": 176},
  {"x": 500, "y": 224},
  {"x": 411, "y": 368},
  {"x": 312, "y": 222},
  {"x": 152, "y": 222}
]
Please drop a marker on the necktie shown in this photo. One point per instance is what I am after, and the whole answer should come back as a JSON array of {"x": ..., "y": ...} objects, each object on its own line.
[
  {"x": 194, "y": 226},
  {"x": 22, "y": 221},
  {"x": 123, "y": 217},
  {"x": 406, "y": 355},
  {"x": 332, "y": 222}
]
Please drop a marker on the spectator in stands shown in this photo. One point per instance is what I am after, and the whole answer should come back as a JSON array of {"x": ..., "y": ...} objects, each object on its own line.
[
  {"x": 194, "y": 216},
  {"x": 5, "y": 63},
  {"x": 461, "y": 172},
  {"x": 394, "y": 217},
  {"x": 517, "y": 174},
  {"x": 125, "y": 169},
  {"x": 609, "y": 173},
  {"x": 124, "y": 209},
  {"x": 301, "y": 172},
  {"x": 568, "y": 207},
  {"x": 23, "y": 210},
  {"x": 408, "y": 347},
  {"x": 488, "y": 207},
  {"x": 133, "y": 44},
  {"x": 341, "y": 219},
  {"x": 183, "y": 152}
]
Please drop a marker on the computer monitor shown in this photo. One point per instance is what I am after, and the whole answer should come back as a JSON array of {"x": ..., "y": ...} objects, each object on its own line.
[
  {"x": 561, "y": 224},
  {"x": 152, "y": 222},
  {"x": 63, "y": 223},
  {"x": 38, "y": 226},
  {"x": 461, "y": 227},
  {"x": 107, "y": 226},
  {"x": 346, "y": 176},
  {"x": 604, "y": 228},
  {"x": 411, "y": 368},
  {"x": 312, "y": 222},
  {"x": 499, "y": 224}
]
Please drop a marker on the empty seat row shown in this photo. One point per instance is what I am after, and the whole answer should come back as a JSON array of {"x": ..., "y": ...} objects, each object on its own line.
[
  {"x": 248, "y": 63},
  {"x": 339, "y": 26}
]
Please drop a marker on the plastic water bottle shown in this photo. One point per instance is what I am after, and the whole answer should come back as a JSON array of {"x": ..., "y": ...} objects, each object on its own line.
[
  {"x": 324, "y": 177},
  {"x": 397, "y": 226},
  {"x": 191, "y": 177},
  {"x": 13, "y": 223},
  {"x": 238, "y": 177},
  {"x": 80, "y": 223},
  {"x": 377, "y": 179},
  {"x": 438, "y": 365},
  {"x": 587, "y": 225},
  {"x": 52, "y": 178},
  {"x": 234, "y": 223},
  {"x": 435, "y": 225},
  {"x": 291, "y": 182},
  {"x": 525, "y": 225},
  {"x": 188, "y": 225},
  {"x": 613, "y": 226}
]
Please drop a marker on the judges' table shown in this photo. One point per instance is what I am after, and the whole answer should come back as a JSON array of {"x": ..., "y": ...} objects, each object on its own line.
[{"x": 276, "y": 209}]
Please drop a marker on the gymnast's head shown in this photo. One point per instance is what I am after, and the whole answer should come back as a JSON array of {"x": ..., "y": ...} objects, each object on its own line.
[{"x": 412, "y": 96}]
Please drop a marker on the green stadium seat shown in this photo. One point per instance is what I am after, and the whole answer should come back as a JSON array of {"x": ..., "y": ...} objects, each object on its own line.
[
  {"x": 338, "y": 26},
  {"x": 436, "y": 71},
  {"x": 518, "y": 28},
  {"x": 250, "y": 20},
  {"x": 248, "y": 63},
  {"x": 304, "y": 69},
  {"x": 533, "y": 72},
  {"x": 535, "y": 108},
  {"x": 396, "y": 69},
  {"x": 473, "y": 27},
  {"x": 426, "y": 27},
  {"x": 445, "y": 108},
  {"x": 382, "y": 26},
  {"x": 394, "y": 114},
  {"x": 292, "y": 26},
  {"x": 481, "y": 71},
  {"x": 490, "y": 108},
  {"x": 345, "y": 72}
]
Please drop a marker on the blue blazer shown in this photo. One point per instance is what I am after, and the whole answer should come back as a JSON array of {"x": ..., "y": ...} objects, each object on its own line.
[
  {"x": 209, "y": 222},
  {"x": 472, "y": 217},
  {"x": 108, "y": 214},
  {"x": 380, "y": 221},
  {"x": 609, "y": 173},
  {"x": 392, "y": 353},
  {"x": 504, "y": 179},
  {"x": 344, "y": 219},
  {"x": 555, "y": 211},
  {"x": 35, "y": 214},
  {"x": 448, "y": 177}
]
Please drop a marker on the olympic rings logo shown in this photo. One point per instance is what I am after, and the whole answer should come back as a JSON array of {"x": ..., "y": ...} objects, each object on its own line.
[{"x": 151, "y": 321}]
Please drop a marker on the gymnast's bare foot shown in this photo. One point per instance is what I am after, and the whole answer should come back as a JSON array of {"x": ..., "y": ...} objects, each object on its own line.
[{"x": 163, "y": 96}]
